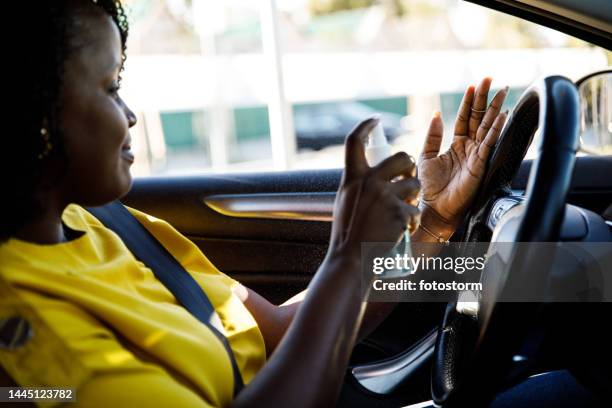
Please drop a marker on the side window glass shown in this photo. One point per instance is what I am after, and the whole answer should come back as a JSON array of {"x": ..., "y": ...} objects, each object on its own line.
[{"x": 208, "y": 78}]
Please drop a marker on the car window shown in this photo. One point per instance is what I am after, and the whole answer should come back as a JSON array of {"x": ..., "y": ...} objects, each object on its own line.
[{"x": 207, "y": 79}]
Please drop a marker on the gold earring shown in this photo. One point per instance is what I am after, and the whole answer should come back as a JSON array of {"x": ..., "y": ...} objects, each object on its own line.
[{"x": 48, "y": 146}]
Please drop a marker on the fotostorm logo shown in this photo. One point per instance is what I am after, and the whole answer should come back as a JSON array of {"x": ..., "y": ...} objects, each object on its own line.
[
  {"x": 423, "y": 285},
  {"x": 428, "y": 276}
]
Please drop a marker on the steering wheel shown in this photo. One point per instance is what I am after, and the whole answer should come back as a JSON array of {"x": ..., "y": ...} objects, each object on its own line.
[{"x": 479, "y": 353}]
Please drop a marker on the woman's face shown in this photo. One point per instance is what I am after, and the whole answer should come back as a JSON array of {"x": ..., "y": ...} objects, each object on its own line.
[{"x": 94, "y": 119}]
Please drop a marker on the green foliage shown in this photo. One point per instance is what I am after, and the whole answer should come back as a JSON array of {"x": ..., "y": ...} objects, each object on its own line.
[
  {"x": 318, "y": 7},
  {"x": 394, "y": 8}
]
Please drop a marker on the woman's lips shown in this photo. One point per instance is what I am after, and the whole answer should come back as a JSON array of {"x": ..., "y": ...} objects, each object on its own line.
[
  {"x": 127, "y": 155},
  {"x": 126, "y": 149}
]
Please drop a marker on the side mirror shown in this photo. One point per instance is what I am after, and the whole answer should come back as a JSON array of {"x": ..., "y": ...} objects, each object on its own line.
[{"x": 595, "y": 92}]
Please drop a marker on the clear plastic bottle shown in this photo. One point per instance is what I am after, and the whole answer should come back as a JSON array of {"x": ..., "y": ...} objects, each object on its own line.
[{"x": 378, "y": 149}]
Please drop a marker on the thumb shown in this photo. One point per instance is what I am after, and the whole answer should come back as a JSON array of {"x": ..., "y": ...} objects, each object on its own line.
[
  {"x": 355, "y": 160},
  {"x": 433, "y": 140}
]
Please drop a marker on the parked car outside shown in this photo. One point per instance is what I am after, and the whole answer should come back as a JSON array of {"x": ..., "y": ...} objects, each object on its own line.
[{"x": 324, "y": 124}]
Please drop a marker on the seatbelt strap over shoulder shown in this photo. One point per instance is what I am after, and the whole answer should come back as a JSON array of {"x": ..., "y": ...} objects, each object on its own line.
[{"x": 146, "y": 248}]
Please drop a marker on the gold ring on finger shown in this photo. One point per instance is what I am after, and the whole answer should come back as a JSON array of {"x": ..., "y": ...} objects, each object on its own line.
[{"x": 479, "y": 111}]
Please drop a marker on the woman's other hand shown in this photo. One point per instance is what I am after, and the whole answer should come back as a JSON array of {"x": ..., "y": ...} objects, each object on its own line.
[
  {"x": 369, "y": 207},
  {"x": 450, "y": 180}
]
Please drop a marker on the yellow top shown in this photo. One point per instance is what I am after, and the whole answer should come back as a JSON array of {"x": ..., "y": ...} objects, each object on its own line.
[{"x": 103, "y": 324}]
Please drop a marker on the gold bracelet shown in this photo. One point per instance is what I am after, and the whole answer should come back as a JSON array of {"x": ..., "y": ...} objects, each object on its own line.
[{"x": 438, "y": 238}]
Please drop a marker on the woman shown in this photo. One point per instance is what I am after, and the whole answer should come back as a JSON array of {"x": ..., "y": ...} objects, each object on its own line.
[{"x": 103, "y": 323}]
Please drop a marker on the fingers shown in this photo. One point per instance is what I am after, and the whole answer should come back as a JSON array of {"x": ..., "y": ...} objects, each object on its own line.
[
  {"x": 355, "y": 160},
  {"x": 400, "y": 164},
  {"x": 463, "y": 116},
  {"x": 479, "y": 106},
  {"x": 406, "y": 189},
  {"x": 433, "y": 141},
  {"x": 492, "y": 112},
  {"x": 485, "y": 147}
]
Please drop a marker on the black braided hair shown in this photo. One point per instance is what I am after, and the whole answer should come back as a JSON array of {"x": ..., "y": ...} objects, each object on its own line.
[{"x": 40, "y": 52}]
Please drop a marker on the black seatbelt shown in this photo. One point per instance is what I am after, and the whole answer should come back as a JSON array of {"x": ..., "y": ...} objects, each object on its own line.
[{"x": 167, "y": 270}]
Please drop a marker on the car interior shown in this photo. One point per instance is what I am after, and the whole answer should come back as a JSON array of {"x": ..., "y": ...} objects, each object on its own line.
[{"x": 270, "y": 231}]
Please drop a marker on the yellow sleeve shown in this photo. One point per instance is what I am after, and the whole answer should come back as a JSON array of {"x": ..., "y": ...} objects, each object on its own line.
[{"x": 115, "y": 376}]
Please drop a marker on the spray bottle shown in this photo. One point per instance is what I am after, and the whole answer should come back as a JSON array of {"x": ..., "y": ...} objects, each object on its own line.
[{"x": 378, "y": 149}]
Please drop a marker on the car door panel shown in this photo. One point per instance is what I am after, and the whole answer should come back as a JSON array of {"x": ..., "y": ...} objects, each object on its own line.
[{"x": 275, "y": 257}]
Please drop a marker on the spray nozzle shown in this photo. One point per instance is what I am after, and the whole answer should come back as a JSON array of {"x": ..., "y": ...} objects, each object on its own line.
[
  {"x": 377, "y": 136},
  {"x": 377, "y": 148}
]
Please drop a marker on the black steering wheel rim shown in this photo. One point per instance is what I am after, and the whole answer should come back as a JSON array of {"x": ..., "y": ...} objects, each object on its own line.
[{"x": 473, "y": 355}]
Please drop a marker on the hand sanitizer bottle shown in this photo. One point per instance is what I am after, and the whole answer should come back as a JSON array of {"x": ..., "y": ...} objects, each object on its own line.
[
  {"x": 377, "y": 147},
  {"x": 377, "y": 150}
]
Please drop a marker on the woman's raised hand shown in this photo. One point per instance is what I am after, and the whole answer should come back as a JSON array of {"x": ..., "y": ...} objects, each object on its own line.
[
  {"x": 450, "y": 180},
  {"x": 369, "y": 207}
]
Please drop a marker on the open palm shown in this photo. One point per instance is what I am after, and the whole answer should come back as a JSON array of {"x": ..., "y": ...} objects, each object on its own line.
[{"x": 449, "y": 181}]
